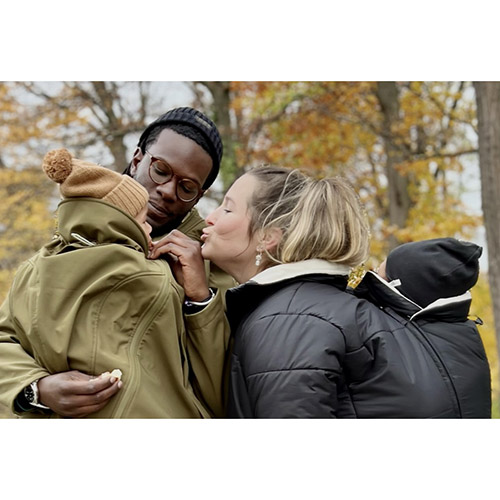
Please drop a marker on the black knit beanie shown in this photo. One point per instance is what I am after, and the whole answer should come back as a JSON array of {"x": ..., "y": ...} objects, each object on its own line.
[
  {"x": 200, "y": 122},
  {"x": 434, "y": 269}
]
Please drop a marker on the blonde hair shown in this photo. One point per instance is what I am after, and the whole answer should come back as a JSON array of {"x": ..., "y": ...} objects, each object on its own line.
[{"x": 319, "y": 219}]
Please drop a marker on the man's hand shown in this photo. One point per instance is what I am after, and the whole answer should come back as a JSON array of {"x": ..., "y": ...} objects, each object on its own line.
[
  {"x": 75, "y": 394},
  {"x": 186, "y": 262}
]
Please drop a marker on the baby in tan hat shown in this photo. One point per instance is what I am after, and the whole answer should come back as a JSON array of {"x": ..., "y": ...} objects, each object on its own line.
[
  {"x": 90, "y": 300},
  {"x": 79, "y": 179}
]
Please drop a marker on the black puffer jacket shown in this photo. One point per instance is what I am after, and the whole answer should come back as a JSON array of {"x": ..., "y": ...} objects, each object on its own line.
[{"x": 304, "y": 348}]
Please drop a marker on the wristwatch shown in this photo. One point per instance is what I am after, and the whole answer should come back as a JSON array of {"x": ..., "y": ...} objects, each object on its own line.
[
  {"x": 31, "y": 395},
  {"x": 192, "y": 307}
]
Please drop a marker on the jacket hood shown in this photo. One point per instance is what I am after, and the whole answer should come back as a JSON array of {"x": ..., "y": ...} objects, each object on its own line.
[
  {"x": 90, "y": 222},
  {"x": 433, "y": 269},
  {"x": 388, "y": 294}
]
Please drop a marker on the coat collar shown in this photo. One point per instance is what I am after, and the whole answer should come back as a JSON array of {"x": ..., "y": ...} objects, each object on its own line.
[
  {"x": 283, "y": 272},
  {"x": 90, "y": 221},
  {"x": 386, "y": 294},
  {"x": 243, "y": 299}
]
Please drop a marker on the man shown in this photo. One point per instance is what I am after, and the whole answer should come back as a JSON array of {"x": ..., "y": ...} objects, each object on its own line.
[{"x": 177, "y": 159}]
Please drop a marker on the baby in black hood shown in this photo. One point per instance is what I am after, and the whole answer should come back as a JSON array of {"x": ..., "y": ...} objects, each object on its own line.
[
  {"x": 424, "y": 286},
  {"x": 424, "y": 271}
]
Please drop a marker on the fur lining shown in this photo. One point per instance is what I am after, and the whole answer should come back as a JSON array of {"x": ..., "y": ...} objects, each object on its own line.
[
  {"x": 283, "y": 272},
  {"x": 444, "y": 302}
]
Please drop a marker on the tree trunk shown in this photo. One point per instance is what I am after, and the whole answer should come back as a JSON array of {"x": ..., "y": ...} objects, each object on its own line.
[
  {"x": 119, "y": 152},
  {"x": 222, "y": 117},
  {"x": 106, "y": 97},
  {"x": 488, "y": 115},
  {"x": 399, "y": 198}
]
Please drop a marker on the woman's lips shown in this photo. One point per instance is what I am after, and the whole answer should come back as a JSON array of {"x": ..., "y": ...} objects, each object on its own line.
[{"x": 205, "y": 233}]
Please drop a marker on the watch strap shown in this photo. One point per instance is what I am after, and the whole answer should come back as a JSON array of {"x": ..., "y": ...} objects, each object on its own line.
[
  {"x": 192, "y": 307},
  {"x": 31, "y": 395}
]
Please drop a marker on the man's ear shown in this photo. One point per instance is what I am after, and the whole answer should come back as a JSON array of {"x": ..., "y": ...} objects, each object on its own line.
[{"x": 136, "y": 159}]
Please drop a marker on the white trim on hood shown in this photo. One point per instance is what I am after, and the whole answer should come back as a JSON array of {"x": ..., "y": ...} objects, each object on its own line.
[
  {"x": 433, "y": 305},
  {"x": 444, "y": 302},
  {"x": 392, "y": 286},
  {"x": 283, "y": 272}
]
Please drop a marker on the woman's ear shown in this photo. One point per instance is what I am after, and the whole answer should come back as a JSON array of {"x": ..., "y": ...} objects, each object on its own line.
[
  {"x": 271, "y": 238},
  {"x": 136, "y": 159}
]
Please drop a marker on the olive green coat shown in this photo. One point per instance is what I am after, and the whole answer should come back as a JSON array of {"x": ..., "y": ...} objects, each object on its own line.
[{"x": 103, "y": 305}]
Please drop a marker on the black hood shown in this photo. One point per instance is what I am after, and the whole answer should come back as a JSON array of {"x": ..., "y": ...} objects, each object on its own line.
[{"x": 434, "y": 269}]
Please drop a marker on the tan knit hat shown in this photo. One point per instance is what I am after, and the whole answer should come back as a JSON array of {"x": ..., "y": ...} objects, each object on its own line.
[{"x": 79, "y": 178}]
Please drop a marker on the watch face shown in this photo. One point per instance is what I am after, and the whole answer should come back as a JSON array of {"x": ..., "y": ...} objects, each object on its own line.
[{"x": 30, "y": 394}]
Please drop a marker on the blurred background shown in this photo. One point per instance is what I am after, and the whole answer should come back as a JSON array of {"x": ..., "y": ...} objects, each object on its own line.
[{"x": 409, "y": 148}]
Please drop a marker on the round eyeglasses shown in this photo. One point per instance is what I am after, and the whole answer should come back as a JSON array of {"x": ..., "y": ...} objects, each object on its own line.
[{"x": 161, "y": 172}]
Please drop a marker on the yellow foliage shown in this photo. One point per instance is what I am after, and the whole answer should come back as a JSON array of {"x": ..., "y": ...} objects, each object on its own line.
[
  {"x": 481, "y": 306},
  {"x": 336, "y": 128},
  {"x": 25, "y": 221},
  {"x": 294, "y": 123},
  {"x": 28, "y": 126},
  {"x": 356, "y": 275}
]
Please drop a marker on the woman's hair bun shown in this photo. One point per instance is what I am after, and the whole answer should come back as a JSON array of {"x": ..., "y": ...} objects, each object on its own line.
[{"x": 57, "y": 164}]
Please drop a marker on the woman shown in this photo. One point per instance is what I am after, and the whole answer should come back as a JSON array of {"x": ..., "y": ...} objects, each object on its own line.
[
  {"x": 303, "y": 347},
  {"x": 275, "y": 228}
]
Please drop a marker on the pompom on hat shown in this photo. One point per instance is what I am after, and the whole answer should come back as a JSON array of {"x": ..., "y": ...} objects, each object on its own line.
[{"x": 79, "y": 179}]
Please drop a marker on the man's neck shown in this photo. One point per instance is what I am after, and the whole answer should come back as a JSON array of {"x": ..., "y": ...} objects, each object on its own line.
[{"x": 166, "y": 228}]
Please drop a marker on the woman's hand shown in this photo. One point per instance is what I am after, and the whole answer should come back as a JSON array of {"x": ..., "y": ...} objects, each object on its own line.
[{"x": 184, "y": 256}]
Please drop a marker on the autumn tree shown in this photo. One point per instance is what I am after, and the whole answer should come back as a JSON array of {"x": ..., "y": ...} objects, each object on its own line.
[
  {"x": 92, "y": 119},
  {"x": 399, "y": 143},
  {"x": 215, "y": 99},
  {"x": 398, "y": 184},
  {"x": 29, "y": 128},
  {"x": 102, "y": 114},
  {"x": 488, "y": 116},
  {"x": 25, "y": 220}
]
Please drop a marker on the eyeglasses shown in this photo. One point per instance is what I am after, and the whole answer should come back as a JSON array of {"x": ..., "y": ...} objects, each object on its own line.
[{"x": 161, "y": 172}]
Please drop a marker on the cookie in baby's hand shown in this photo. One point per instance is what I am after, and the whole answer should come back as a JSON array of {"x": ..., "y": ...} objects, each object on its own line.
[{"x": 117, "y": 373}]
